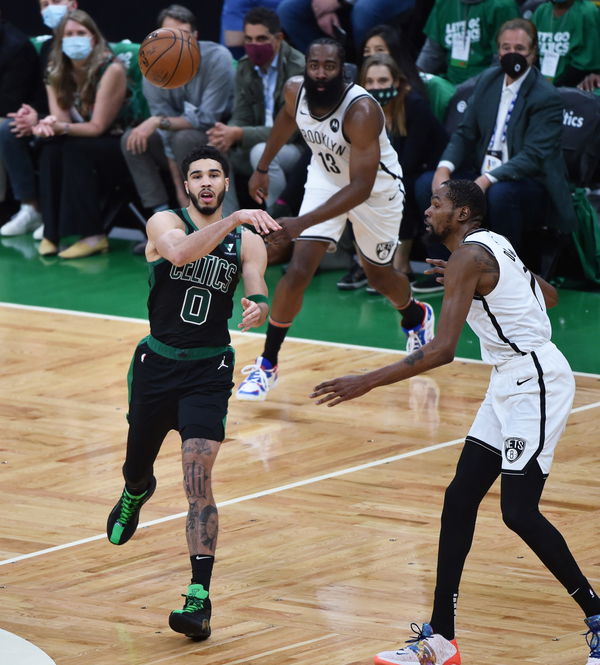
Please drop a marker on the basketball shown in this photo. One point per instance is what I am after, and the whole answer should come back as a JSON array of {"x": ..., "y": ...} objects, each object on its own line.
[{"x": 169, "y": 57}]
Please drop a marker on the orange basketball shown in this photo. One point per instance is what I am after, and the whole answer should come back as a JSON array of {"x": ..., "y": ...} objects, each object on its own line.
[{"x": 169, "y": 57}]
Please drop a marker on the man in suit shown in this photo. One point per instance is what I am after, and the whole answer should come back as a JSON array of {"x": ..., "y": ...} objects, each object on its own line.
[
  {"x": 258, "y": 96},
  {"x": 509, "y": 143}
]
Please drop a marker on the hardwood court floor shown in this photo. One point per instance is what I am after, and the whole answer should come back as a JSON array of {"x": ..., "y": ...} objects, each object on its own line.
[{"x": 329, "y": 517}]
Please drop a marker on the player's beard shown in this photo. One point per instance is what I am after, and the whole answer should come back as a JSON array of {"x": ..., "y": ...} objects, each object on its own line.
[
  {"x": 203, "y": 209},
  {"x": 323, "y": 99}
]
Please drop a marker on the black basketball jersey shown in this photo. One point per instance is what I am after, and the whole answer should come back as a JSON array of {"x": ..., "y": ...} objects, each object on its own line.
[{"x": 189, "y": 306}]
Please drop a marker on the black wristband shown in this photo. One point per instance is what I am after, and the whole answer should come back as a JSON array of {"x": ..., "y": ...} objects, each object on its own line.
[{"x": 263, "y": 171}]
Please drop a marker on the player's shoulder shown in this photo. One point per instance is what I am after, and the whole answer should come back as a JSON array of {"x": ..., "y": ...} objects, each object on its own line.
[
  {"x": 294, "y": 83},
  {"x": 166, "y": 219}
]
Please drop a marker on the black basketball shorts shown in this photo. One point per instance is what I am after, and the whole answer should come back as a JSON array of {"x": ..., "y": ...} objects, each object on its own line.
[{"x": 188, "y": 395}]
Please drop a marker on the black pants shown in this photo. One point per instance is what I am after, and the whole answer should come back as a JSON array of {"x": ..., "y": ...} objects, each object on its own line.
[
  {"x": 75, "y": 174},
  {"x": 476, "y": 472}
]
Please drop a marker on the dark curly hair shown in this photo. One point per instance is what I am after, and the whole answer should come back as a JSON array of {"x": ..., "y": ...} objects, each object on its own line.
[{"x": 467, "y": 193}]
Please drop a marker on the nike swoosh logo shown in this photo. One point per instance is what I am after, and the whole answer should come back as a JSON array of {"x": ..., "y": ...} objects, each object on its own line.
[
  {"x": 201, "y": 557},
  {"x": 520, "y": 383}
]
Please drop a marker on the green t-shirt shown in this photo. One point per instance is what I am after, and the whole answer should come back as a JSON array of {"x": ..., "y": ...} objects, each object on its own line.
[
  {"x": 570, "y": 40},
  {"x": 467, "y": 32},
  {"x": 439, "y": 93}
]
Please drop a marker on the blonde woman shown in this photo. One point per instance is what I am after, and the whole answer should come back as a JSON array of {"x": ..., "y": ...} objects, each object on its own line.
[{"x": 86, "y": 87}]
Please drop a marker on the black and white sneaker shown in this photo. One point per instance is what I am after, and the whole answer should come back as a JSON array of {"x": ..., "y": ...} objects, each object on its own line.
[{"x": 355, "y": 278}]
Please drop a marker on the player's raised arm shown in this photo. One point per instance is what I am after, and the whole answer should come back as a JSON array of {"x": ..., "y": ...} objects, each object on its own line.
[
  {"x": 462, "y": 274},
  {"x": 283, "y": 128},
  {"x": 167, "y": 237}
]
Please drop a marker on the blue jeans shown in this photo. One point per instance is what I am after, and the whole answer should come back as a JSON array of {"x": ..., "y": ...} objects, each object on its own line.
[
  {"x": 513, "y": 206},
  {"x": 301, "y": 27},
  {"x": 17, "y": 156}
]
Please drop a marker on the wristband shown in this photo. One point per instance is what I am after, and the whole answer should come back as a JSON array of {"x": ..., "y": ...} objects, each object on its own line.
[
  {"x": 263, "y": 171},
  {"x": 258, "y": 298}
]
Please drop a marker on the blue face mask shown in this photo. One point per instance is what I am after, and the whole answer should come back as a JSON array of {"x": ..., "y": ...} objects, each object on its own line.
[
  {"x": 77, "y": 48},
  {"x": 52, "y": 15}
]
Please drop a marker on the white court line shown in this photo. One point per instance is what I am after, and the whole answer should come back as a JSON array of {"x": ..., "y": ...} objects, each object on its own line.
[
  {"x": 302, "y": 340},
  {"x": 274, "y": 490}
]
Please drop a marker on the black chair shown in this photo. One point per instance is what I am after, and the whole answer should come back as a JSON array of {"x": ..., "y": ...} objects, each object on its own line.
[
  {"x": 581, "y": 135},
  {"x": 458, "y": 104}
]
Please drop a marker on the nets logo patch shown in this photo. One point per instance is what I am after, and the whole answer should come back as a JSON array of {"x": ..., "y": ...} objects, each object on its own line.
[
  {"x": 513, "y": 448},
  {"x": 334, "y": 124},
  {"x": 384, "y": 249}
]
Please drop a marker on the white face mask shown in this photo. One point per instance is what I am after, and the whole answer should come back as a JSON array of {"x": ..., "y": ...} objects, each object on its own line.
[
  {"x": 52, "y": 15},
  {"x": 77, "y": 47}
]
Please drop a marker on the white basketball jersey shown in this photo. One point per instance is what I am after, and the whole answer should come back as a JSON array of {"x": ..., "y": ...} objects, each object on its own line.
[
  {"x": 511, "y": 320},
  {"x": 330, "y": 163}
]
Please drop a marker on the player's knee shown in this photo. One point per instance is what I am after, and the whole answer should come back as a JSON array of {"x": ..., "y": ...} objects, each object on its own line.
[
  {"x": 298, "y": 275},
  {"x": 516, "y": 518}
]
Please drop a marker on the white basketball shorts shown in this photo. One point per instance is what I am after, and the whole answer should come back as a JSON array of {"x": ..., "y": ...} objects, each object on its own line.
[
  {"x": 376, "y": 222},
  {"x": 525, "y": 409}
]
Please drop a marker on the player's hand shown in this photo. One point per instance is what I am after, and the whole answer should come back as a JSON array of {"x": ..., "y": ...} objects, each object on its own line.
[
  {"x": 439, "y": 269},
  {"x": 291, "y": 227},
  {"x": 262, "y": 222},
  {"x": 253, "y": 315},
  {"x": 137, "y": 141},
  {"x": 258, "y": 186},
  {"x": 340, "y": 390},
  {"x": 222, "y": 136}
]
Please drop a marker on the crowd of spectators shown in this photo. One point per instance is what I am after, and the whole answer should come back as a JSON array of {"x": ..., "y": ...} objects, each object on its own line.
[{"x": 77, "y": 120}]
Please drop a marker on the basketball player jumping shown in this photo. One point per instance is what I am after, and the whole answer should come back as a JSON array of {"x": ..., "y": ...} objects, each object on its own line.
[
  {"x": 354, "y": 174},
  {"x": 518, "y": 424},
  {"x": 181, "y": 374}
]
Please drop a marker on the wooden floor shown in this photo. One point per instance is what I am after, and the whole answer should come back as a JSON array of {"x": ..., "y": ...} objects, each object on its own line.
[{"x": 329, "y": 517}]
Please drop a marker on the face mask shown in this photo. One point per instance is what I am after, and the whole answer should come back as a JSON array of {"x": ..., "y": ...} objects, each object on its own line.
[
  {"x": 77, "y": 48},
  {"x": 260, "y": 54},
  {"x": 513, "y": 65},
  {"x": 384, "y": 95},
  {"x": 52, "y": 15}
]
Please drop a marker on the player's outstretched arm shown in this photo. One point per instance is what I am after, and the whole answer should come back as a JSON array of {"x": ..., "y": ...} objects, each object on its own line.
[
  {"x": 167, "y": 237},
  {"x": 461, "y": 277},
  {"x": 362, "y": 125},
  {"x": 283, "y": 128},
  {"x": 254, "y": 263}
]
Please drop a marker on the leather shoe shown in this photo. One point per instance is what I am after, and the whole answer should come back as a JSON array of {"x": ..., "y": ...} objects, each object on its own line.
[
  {"x": 47, "y": 248},
  {"x": 81, "y": 249}
]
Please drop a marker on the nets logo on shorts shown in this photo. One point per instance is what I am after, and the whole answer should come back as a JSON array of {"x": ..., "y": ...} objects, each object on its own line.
[
  {"x": 384, "y": 249},
  {"x": 513, "y": 448}
]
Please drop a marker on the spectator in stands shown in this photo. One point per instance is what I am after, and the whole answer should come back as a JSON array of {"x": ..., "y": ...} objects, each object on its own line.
[
  {"x": 15, "y": 135},
  {"x": 179, "y": 118},
  {"x": 306, "y": 20},
  {"x": 385, "y": 39},
  {"x": 232, "y": 22},
  {"x": 461, "y": 36},
  {"x": 416, "y": 135},
  {"x": 86, "y": 87},
  {"x": 258, "y": 96},
  {"x": 509, "y": 142},
  {"x": 569, "y": 40}
]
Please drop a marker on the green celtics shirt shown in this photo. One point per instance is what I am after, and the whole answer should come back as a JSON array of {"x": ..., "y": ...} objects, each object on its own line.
[
  {"x": 467, "y": 32},
  {"x": 568, "y": 41}
]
